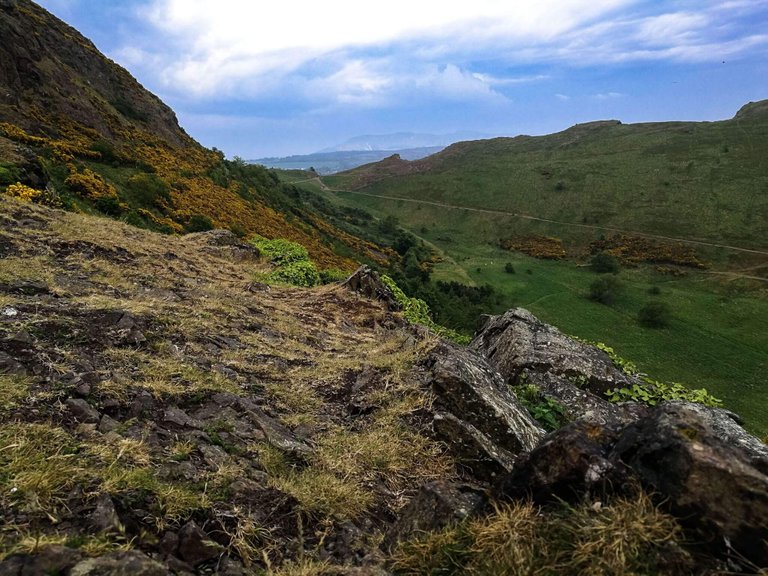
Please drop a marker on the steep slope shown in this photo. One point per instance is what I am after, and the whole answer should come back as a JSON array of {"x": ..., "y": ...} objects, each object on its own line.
[
  {"x": 79, "y": 131},
  {"x": 698, "y": 180},
  {"x": 161, "y": 412}
]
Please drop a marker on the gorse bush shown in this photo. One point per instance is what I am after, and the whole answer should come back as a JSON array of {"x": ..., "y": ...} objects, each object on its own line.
[
  {"x": 604, "y": 262},
  {"x": 605, "y": 290},
  {"x": 655, "y": 315},
  {"x": 293, "y": 265}
]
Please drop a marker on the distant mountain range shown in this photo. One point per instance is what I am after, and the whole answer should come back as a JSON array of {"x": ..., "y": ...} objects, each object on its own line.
[{"x": 366, "y": 149}]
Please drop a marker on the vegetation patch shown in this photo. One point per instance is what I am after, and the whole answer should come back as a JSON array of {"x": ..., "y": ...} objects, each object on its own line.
[
  {"x": 544, "y": 247},
  {"x": 633, "y": 250},
  {"x": 625, "y": 536}
]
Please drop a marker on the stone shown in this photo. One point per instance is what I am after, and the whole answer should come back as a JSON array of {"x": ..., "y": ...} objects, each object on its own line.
[
  {"x": 82, "y": 411},
  {"x": 568, "y": 464},
  {"x": 275, "y": 433},
  {"x": 437, "y": 505},
  {"x": 104, "y": 518},
  {"x": 194, "y": 545},
  {"x": 580, "y": 404},
  {"x": 466, "y": 386},
  {"x": 473, "y": 449},
  {"x": 46, "y": 560},
  {"x": 107, "y": 424},
  {"x": 709, "y": 474},
  {"x": 177, "y": 416},
  {"x": 367, "y": 283},
  {"x": 132, "y": 563},
  {"x": 518, "y": 341}
]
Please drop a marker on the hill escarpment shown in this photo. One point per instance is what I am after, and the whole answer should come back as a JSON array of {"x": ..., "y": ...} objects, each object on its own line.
[{"x": 163, "y": 412}]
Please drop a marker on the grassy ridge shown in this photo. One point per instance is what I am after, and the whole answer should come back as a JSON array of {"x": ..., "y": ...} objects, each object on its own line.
[{"x": 706, "y": 180}]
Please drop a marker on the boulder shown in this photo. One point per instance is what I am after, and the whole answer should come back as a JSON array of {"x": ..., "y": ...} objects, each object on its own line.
[
  {"x": 518, "y": 341},
  {"x": 367, "y": 282},
  {"x": 569, "y": 463},
  {"x": 466, "y": 386},
  {"x": 579, "y": 404},
  {"x": 82, "y": 411},
  {"x": 45, "y": 560},
  {"x": 709, "y": 473},
  {"x": 195, "y": 547}
]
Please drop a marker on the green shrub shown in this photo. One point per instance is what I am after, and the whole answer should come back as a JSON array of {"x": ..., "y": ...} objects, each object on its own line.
[
  {"x": 148, "y": 190},
  {"x": 8, "y": 175},
  {"x": 605, "y": 290},
  {"x": 416, "y": 311},
  {"x": 509, "y": 268},
  {"x": 332, "y": 275},
  {"x": 280, "y": 251},
  {"x": 303, "y": 273},
  {"x": 652, "y": 392},
  {"x": 655, "y": 315},
  {"x": 603, "y": 263},
  {"x": 199, "y": 223},
  {"x": 546, "y": 411}
]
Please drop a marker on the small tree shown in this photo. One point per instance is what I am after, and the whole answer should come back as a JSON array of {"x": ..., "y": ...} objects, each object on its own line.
[
  {"x": 605, "y": 290},
  {"x": 604, "y": 262},
  {"x": 509, "y": 268},
  {"x": 654, "y": 315}
]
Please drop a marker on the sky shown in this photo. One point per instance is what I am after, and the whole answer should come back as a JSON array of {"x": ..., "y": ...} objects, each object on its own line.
[{"x": 257, "y": 79}]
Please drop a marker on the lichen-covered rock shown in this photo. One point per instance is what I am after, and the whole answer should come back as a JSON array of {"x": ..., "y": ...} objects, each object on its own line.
[
  {"x": 579, "y": 404},
  {"x": 568, "y": 464},
  {"x": 709, "y": 473},
  {"x": 436, "y": 506},
  {"x": 45, "y": 560},
  {"x": 518, "y": 341},
  {"x": 466, "y": 386}
]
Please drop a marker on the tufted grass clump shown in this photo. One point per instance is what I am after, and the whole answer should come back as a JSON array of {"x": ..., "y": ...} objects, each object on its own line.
[{"x": 626, "y": 536}]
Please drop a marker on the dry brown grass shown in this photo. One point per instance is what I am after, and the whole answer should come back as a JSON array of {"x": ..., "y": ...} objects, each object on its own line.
[{"x": 621, "y": 538}]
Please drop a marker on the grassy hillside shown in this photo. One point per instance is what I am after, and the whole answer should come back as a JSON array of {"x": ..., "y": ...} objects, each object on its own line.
[
  {"x": 705, "y": 180},
  {"x": 695, "y": 181}
]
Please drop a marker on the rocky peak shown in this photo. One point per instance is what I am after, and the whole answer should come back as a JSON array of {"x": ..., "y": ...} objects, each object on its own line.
[{"x": 49, "y": 72}]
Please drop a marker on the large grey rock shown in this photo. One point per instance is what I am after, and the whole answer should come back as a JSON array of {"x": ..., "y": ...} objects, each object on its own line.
[
  {"x": 473, "y": 449},
  {"x": 46, "y": 560},
  {"x": 194, "y": 545},
  {"x": 709, "y": 473},
  {"x": 82, "y": 411},
  {"x": 518, "y": 341},
  {"x": 579, "y": 404},
  {"x": 275, "y": 433},
  {"x": 466, "y": 386}
]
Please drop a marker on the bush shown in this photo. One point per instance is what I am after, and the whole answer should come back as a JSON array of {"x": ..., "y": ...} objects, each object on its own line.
[
  {"x": 654, "y": 315},
  {"x": 605, "y": 290},
  {"x": 7, "y": 175},
  {"x": 148, "y": 190},
  {"x": 604, "y": 262},
  {"x": 303, "y": 273},
  {"x": 280, "y": 251},
  {"x": 509, "y": 268},
  {"x": 199, "y": 223},
  {"x": 332, "y": 275}
]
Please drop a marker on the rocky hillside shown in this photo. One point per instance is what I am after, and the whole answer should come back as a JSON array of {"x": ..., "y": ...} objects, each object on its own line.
[
  {"x": 78, "y": 131},
  {"x": 162, "y": 412}
]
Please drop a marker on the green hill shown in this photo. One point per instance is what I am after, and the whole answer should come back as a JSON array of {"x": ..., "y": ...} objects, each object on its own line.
[{"x": 699, "y": 180}]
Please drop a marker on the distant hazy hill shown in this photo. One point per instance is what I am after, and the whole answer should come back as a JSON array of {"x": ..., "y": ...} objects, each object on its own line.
[
  {"x": 402, "y": 141},
  {"x": 332, "y": 162},
  {"x": 686, "y": 179}
]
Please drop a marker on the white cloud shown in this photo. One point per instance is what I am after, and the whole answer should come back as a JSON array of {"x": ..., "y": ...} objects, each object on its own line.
[
  {"x": 608, "y": 96},
  {"x": 562, "y": 97},
  {"x": 224, "y": 42}
]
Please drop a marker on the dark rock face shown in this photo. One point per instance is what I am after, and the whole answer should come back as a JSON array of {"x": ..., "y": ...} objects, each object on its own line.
[
  {"x": 47, "y": 560},
  {"x": 366, "y": 282},
  {"x": 484, "y": 424},
  {"x": 702, "y": 467},
  {"x": 715, "y": 484},
  {"x": 436, "y": 506},
  {"x": 569, "y": 463},
  {"x": 518, "y": 341}
]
